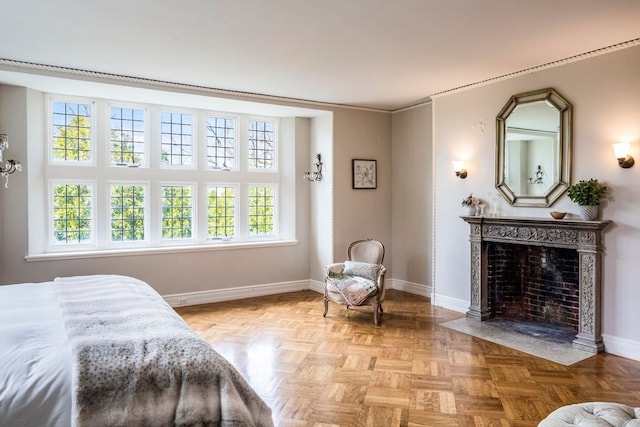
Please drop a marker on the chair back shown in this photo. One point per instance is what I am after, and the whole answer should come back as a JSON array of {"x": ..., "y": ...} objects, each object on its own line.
[{"x": 371, "y": 251}]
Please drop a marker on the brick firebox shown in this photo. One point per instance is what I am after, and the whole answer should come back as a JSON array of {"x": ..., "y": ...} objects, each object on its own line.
[{"x": 536, "y": 241}]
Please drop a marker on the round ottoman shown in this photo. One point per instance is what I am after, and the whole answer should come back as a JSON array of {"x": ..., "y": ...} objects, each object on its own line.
[{"x": 595, "y": 414}]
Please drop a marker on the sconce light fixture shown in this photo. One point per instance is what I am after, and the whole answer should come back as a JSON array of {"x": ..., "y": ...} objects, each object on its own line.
[
  {"x": 539, "y": 174},
  {"x": 11, "y": 165},
  {"x": 458, "y": 168},
  {"x": 622, "y": 154},
  {"x": 316, "y": 174}
]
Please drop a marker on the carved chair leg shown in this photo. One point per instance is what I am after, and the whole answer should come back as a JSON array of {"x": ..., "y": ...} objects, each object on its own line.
[
  {"x": 376, "y": 312},
  {"x": 326, "y": 307}
]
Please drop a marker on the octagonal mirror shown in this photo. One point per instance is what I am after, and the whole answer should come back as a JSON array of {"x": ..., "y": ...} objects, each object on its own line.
[{"x": 533, "y": 148}]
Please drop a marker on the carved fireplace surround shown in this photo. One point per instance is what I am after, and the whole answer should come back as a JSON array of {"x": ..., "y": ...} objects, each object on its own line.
[{"x": 583, "y": 236}]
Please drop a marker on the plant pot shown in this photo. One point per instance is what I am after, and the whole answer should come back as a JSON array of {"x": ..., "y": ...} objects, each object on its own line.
[
  {"x": 589, "y": 213},
  {"x": 469, "y": 210}
]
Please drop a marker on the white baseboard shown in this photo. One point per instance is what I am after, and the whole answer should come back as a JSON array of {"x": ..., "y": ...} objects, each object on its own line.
[
  {"x": 621, "y": 347},
  {"x": 409, "y": 287},
  {"x": 229, "y": 294},
  {"x": 613, "y": 345},
  {"x": 459, "y": 305},
  {"x": 316, "y": 285}
]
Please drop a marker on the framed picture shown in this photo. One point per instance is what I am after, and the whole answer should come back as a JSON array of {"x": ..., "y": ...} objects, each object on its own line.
[{"x": 364, "y": 174}]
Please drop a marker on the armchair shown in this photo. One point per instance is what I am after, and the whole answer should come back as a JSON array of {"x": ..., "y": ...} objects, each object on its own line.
[{"x": 359, "y": 281}]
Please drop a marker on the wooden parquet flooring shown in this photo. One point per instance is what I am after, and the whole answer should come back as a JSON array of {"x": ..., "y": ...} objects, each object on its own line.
[{"x": 344, "y": 371}]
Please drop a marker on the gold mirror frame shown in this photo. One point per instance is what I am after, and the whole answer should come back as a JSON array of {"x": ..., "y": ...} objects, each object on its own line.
[{"x": 562, "y": 174}]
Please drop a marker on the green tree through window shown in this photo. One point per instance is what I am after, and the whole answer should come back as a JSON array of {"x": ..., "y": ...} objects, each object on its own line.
[
  {"x": 261, "y": 213},
  {"x": 71, "y": 131},
  {"x": 72, "y": 213},
  {"x": 177, "y": 212},
  {"x": 127, "y": 213}
]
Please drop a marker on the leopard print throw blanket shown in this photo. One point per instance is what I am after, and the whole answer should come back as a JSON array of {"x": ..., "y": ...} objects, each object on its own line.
[{"x": 137, "y": 363}]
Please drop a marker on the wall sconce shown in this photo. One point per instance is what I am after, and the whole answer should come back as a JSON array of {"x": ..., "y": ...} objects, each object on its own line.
[
  {"x": 316, "y": 175},
  {"x": 458, "y": 168},
  {"x": 622, "y": 154},
  {"x": 538, "y": 176},
  {"x": 10, "y": 166}
]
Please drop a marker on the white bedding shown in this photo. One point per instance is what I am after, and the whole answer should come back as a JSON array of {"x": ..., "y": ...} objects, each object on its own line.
[
  {"x": 37, "y": 393},
  {"x": 42, "y": 357}
]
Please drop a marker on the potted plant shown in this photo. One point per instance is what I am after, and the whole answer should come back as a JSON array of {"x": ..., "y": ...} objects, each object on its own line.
[
  {"x": 587, "y": 195},
  {"x": 470, "y": 203}
]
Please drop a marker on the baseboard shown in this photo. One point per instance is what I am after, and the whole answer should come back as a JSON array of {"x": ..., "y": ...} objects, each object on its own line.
[
  {"x": 229, "y": 294},
  {"x": 621, "y": 347},
  {"x": 613, "y": 345},
  {"x": 459, "y": 305},
  {"x": 409, "y": 287}
]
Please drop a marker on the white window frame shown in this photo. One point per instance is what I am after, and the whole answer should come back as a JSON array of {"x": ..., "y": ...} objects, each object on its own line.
[
  {"x": 102, "y": 172},
  {"x": 147, "y": 227},
  {"x": 92, "y": 242},
  {"x": 194, "y": 214},
  {"x": 147, "y": 133},
  {"x": 50, "y": 134}
]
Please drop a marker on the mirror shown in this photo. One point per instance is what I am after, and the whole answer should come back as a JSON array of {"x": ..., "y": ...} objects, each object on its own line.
[{"x": 533, "y": 148}]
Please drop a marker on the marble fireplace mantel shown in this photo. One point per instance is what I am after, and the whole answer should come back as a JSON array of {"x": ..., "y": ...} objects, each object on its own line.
[{"x": 583, "y": 236}]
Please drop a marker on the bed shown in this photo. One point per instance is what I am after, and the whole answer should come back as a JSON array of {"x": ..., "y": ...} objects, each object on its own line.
[{"x": 107, "y": 350}]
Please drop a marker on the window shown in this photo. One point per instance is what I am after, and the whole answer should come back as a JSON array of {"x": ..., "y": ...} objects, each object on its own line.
[
  {"x": 127, "y": 136},
  {"x": 72, "y": 216},
  {"x": 221, "y": 142},
  {"x": 261, "y": 210},
  {"x": 261, "y": 145},
  {"x": 71, "y": 130},
  {"x": 177, "y": 212},
  {"x": 158, "y": 176},
  {"x": 176, "y": 139},
  {"x": 128, "y": 213},
  {"x": 221, "y": 215}
]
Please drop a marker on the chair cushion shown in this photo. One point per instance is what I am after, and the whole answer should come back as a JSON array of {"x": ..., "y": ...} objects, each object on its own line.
[
  {"x": 362, "y": 269},
  {"x": 355, "y": 290}
]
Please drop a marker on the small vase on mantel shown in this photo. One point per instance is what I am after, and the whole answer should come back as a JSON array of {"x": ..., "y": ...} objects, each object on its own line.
[
  {"x": 588, "y": 213},
  {"x": 468, "y": 210}
]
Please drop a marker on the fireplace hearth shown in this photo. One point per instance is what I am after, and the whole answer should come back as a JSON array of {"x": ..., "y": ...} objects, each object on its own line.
[{"x": 538, "y": 273}]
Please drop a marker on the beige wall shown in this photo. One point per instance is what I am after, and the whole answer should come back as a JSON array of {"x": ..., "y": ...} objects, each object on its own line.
[
  {"x": 324, "y": 223},
  {"x": 416, "y": 184},
  {"x": 411, "y": 224},
  {"x": 361, "y": 214},
  {"x": 605, "y": 93}
]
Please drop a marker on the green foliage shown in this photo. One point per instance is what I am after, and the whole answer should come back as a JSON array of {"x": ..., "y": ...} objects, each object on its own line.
[
  {"x": 221, "y": 212},
  {"x": 127, "y": 213},
  {"x": 73, "y": 141},
  {"x": 587, "y": 193},
  {"x": 261, "y": 211},
  {"x": 72, "y": 213},
  {"x": 123, "y": 149},
  {"x": 177, "y": 212}
]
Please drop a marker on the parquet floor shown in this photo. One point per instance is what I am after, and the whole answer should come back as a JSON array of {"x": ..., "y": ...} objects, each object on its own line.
[{"x": 343, "y": 371}]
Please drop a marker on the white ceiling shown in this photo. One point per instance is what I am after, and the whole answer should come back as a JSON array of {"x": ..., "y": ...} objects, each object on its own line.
[{"x": 382, "y": 54}]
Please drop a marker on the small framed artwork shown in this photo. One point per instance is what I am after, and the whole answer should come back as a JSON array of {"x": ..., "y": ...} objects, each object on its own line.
[{"x": 364, "y": 174}]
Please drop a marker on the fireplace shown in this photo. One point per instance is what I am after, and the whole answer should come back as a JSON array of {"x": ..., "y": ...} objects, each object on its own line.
[{"x": 534, "y": 269}]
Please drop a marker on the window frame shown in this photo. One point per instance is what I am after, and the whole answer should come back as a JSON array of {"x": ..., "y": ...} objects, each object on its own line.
[
  {"x": 147, "y": 133},
  {"x": 147, "y": 228},
  {"x": 50, "y": 133},
  {"x": 53, "y": 243},
  {"x": 199, "y": 174}
]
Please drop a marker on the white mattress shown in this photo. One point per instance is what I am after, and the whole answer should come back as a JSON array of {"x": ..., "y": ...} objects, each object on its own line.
[{"x": 31, "y": 328}]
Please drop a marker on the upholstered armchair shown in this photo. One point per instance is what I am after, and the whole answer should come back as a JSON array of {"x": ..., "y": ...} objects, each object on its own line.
[{"x": 359, "y": 281}]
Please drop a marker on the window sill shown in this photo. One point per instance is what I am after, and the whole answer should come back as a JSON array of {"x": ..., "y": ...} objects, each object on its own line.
[{"x": 107, "y": 253}]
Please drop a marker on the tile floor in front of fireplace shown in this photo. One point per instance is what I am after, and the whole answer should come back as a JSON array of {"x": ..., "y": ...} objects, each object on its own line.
[{"x": 550, "y": 344}]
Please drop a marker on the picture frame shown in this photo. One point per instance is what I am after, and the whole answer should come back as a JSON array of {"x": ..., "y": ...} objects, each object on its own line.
[{"x": 364, "y": 174}]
